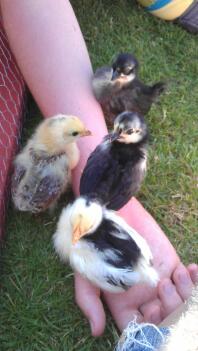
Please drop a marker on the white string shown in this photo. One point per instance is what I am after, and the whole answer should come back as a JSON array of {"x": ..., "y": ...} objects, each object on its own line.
[{"x": 128, "y": 337}]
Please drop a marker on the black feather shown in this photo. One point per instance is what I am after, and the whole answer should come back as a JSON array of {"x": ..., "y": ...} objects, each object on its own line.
[
  {"x": 135, "y": 96},
  {"x": 116, "y": 282},
  {"x": 112, "y": 173},
  {"x": 110, "y": 236},
  {"x": 124, "y": 95}
]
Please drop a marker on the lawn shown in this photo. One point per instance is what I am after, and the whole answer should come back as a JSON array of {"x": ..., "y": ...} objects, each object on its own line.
[{"x": 37, "y": 308}]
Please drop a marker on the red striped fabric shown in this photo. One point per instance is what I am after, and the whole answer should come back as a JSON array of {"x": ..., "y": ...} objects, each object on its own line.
[{"x": 12, "y": 103}]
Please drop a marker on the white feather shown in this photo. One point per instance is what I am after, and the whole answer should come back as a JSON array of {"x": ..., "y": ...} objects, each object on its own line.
[
  {"x": 90, "y": 262},
  {"x": 146, "y": 271}
]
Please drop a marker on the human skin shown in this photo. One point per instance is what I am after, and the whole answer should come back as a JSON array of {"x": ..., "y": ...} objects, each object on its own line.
[{"x": 51, "y": 53}]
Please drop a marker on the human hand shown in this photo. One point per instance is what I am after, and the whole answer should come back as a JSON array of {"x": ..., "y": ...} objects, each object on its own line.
[{"x": 147, "y": 304}]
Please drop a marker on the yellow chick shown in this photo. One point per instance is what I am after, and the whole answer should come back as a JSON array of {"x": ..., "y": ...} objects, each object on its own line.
[{"x": 42, "y": 170}]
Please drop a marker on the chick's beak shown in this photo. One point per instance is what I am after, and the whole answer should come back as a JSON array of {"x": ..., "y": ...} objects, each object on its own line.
[
  {"x": 81, "y": 227},
  {"x": 115, "y": 75},
  {"x": 77, "y": 233},
  {"x": 85, "y": 133},
  {"x": 114, "y": 136}
]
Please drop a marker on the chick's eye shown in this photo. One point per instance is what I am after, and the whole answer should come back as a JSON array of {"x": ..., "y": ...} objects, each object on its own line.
[
  {"x": 129, "y": 71},
  {"x": 75, "y": 133},
  {"x": 130, "y": 131},
  {"x": 132, "y": 70}
]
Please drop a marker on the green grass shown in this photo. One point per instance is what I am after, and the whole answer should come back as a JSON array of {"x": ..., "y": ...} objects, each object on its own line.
[{"x": 37, "y": 308}]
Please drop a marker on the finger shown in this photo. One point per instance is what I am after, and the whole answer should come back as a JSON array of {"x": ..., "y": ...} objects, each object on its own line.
[
  {"x": 169, "y": 296},
  {"x": 88, "y": 299},
  {"x": 122, "y": 319},
  {"x": 183, "y": 282},
  {"x": 122, "y": 312},
  {"x": 151, "y": 311},
  {"x": 193, "y": 271}
]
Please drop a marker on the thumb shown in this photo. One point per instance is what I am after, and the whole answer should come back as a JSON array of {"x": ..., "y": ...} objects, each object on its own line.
[{"x": 88, "y": 299}]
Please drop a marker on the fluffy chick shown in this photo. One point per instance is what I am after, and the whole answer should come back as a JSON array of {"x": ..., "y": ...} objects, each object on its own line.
[
  {"x": 116, "y": 168},
  {"x": 102, "y": 247},
  {"x": 118, "y": 88},
  {"x": 42, "y": 170}
]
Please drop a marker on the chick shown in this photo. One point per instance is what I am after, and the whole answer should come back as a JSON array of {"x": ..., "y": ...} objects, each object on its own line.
[
  {"x": 116, "y": 168},
  {"x": 118, "y": 88},
  {"x": 42, "y": 170},
  {"x": 102, "y": 247}
]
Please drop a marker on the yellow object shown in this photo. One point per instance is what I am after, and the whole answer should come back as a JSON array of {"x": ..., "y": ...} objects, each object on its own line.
[{"x": 166, "y": 9}]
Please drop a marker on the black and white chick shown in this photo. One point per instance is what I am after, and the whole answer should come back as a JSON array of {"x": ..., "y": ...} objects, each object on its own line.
[
  {"x": 42, "y": 170},
  {"x": 102, "y": 247},
  {"x": 118, "y": 88},
  {"x": 116, "y": 168}
]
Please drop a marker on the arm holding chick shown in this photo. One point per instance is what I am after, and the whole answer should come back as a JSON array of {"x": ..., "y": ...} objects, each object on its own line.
[{"x": 36, "y": 31}]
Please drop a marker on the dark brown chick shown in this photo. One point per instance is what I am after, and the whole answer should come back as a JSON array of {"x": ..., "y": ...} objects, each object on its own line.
[{"x": 118, "y": 88}]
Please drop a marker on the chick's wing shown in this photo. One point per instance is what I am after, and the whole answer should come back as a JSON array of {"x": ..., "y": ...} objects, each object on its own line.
[
  {"x": 19, "y": 172},
  {"x": 48, "y": 190},
  {"x": 128, "y": 185},
  {"x": 97, "y": 176}
]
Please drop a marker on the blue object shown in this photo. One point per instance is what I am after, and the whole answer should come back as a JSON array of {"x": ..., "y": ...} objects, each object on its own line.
[
  {"x": 142, "y": 337},
  {"x": 158, "y": 5}
]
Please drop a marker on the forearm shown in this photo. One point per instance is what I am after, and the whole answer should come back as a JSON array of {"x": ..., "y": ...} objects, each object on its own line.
[
  {"x": 50, "y": 50},
  {"x": 48, "y": 45}
]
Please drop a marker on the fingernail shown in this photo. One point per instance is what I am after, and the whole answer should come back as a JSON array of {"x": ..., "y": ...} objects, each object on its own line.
[
  {"x": 184, "y": 278},
  {"x": 194, "y": 273},
  {"x": 168, "y": 288},
  {"x": 195, "y": 277}
]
